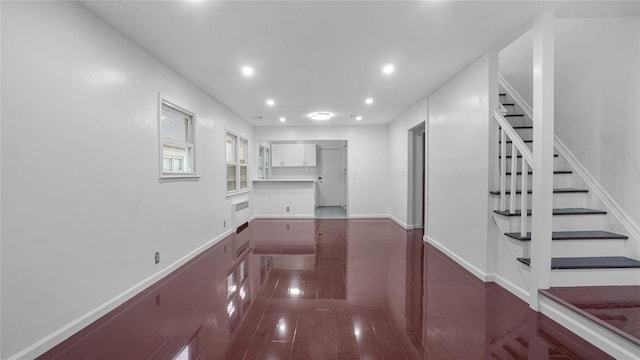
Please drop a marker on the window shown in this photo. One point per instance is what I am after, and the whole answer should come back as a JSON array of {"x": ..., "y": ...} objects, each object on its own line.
[
  {"x": 237, "y": 162},
  {"x": 177, "y": 141},
  {"x": 232, "y": 164}
]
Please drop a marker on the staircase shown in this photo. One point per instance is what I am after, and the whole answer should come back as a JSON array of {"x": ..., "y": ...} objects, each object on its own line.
[
  {"x": 589, "y": 252},
  {"x": 579, "y": 242}
]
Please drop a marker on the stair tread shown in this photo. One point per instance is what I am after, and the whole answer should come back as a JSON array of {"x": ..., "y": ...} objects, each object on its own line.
[
  {"x": 594, "y": 262},
  {"x": 555, "y": 191},
  {"x": 574, "y": 235},
  {"x": 519, "y": 127},
  {"x": 555, "y": 172},
  {"x": 519, "y": 156},
  {"x": 558, "y": 211},
  {"x": 509, "y": 141}
]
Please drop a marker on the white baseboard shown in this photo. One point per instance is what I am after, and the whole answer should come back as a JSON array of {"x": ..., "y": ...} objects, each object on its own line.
[
  {"x": 401, "y": 223},
  {"x": 283, "y": 216},
  {"x": 462, "y": 262},
  {"x": 370, "y": 216},
  {"x": 56, "y": 337},
  {"x": 516, "y": 290},
  {"x": 597, "y": 335}
]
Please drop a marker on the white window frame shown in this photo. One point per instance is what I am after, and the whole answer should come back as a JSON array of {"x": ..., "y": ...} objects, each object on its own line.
[
  {"x": 190, "y": 144},
  {"x": 238, "y": 165}
]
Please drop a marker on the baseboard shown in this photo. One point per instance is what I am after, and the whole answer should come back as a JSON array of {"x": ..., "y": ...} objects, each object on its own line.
[
  {"x": 462, "y": 262},
  {"x": 53, "y": 339},
  {"x": 516, "y": 290},
  {"x": 370, "y": 216},
  {"x": 283, "y": 216},
  {"x": 401, "y": 223},
  {"x": 600, "y": 337}
]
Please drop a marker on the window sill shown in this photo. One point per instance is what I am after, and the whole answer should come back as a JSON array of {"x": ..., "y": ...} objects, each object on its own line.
[
  {"x": 179, "y": 177},
  {"x": 236, "y": 193}
]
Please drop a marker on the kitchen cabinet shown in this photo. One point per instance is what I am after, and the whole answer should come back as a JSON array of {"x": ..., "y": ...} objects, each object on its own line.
[{"x": 290, "y": 155}]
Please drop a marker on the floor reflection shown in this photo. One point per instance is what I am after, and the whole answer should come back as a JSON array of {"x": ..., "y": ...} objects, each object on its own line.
[{"x": 323, "y": 289}]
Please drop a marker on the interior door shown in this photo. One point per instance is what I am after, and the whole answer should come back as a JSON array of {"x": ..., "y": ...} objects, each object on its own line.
[{"x": 329, "y": 177}]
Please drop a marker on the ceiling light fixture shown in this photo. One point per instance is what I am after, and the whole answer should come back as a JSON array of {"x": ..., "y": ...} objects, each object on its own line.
[
  {"x": 388, "y": 69},
  {"x": 282, "y": 119},
  {"x": 368, "y": 101},
  {"x": 270, "y": 102},
  {"x": 321, "y": 115},
  {"x": 248, "y": 71},
  {"x": 358, "y": 118}
]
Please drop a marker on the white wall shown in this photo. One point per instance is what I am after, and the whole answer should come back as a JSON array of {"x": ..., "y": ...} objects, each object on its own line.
[
  {"x": 597, "y": 87},
  {"x": 83, "y": 210},
  {"x": 399, "y": 160},
  {"x": 458, "y": 133},
  {"x": 368, "y": 154}
]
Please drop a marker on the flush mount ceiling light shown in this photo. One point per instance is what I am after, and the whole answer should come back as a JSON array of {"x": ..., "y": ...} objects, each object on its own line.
[
  {"x": 388, "y": 69},
  {"x": 357, "y": 117},
  {"x": 248, "y": 71},
  {"x": 368, "y": 101},
  {"x": 270, "y": 102},
  {"x": 282, "y": 119},
  {"x": 321, "y": 115}
]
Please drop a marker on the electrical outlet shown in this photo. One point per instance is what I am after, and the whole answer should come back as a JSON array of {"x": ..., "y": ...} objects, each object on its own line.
[
  {"x": 288, "y": 209},
  {"x": 157, "y": 257}
]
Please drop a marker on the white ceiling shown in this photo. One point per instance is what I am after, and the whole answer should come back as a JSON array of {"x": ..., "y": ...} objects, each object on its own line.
[{"x": 327, "y": 55}]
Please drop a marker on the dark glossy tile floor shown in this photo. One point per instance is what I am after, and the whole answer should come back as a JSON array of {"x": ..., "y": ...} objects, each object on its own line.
[{"x": 323, "y": 289}]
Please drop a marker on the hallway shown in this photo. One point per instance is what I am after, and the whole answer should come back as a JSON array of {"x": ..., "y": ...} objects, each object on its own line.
[{"x": 323, "y": 289}]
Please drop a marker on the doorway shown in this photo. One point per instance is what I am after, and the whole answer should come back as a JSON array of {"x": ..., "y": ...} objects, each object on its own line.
[
  {"x": 416, "y": 177},
  {"x": 332, "y": 179}
]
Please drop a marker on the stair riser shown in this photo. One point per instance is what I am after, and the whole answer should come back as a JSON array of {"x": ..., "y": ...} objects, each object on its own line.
[
  {"x": 556, "y": 165},
  {"x": 518, "y": 120},
  {"x": 580, "y": 248},
  {"x": 563, "y": 223},
  {"x": 559, "y": 181},
  {"x": 566, "y": 200},
  {"x": 529, "y": 145},
  {"x": 595, "y": 277}
]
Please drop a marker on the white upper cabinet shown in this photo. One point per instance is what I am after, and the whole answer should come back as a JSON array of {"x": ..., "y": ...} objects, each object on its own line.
[
  {"x": 309, "y": 155},
  {"x": 293, "y": 155}
]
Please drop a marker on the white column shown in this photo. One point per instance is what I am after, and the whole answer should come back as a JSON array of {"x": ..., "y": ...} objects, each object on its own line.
[{"x": 543, "y": 122}]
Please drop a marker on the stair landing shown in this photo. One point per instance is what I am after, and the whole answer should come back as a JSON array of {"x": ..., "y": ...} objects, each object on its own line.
[{"x": 616, "y": 308}]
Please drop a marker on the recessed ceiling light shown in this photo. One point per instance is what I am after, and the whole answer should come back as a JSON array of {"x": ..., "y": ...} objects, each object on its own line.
[
  {"x": 270, "y": 102},
  {"x": 358, "y": 118},
  {"x": 321, "y": 115},
  {"x": 368, "y": 101},
  {"x": 247, "y": 71},
  {"x": 282, "y": 119},
  {"x": 388, "y": 69}
]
